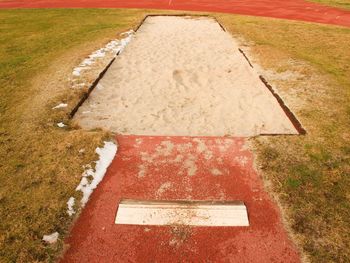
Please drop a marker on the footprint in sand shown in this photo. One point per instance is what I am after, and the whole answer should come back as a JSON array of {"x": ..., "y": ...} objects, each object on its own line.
[{"x": 177, "y": 76}]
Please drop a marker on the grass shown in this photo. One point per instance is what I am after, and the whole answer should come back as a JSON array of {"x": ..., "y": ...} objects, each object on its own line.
[
  {"x": 345, "y": 4},
  {"x": 38, "y": 49}
]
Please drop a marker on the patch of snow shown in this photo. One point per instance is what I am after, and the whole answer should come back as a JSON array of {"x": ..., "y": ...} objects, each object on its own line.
[
  {"x": 52, "y": 238},
  {"x": 61, "y": 124},
  {"x": 76, "y": 71},
  {"x": 112, "y": 47},
  {"x": 106, "y": 155},
  {"x": 124, "y": 42},
  {"x": 70, "y": 204},
  {"x": 83, "y": 183},
  {"x": 87, "y": 62},
  {"x": 87, "y": 166},
  {"x": 79, "y": 85},
  {"x": 130, "y": 32},
  {"x": 97, "y": 54},
  {"x": 61, "y": 105},
  {"x": 88, "y": 172}
]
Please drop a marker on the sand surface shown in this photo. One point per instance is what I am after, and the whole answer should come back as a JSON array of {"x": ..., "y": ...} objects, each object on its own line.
[{"x": 183, "y": 76}]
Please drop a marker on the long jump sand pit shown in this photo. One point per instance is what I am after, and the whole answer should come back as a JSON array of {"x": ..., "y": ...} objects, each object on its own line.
[{"x": 183, "y": 76}]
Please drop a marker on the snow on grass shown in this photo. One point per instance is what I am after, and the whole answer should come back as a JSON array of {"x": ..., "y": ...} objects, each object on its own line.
[
  {"x": 70, "y": 204},
  {"x": 61, "y": 124},
  {"x": 125, "y": 41},
  {"x": 61, "y": 105},
  {"x": 114, "y": 47},
  {"x": 79, "y": 84},
  {"x": 52, "y": 238},
  {"x": 77, "y": 71},
  {"x": 91, "y": 178}
]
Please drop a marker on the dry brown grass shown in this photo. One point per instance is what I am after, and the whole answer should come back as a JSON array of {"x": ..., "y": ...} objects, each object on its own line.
[
  {"x": 41, "y": 164},
  {"x": 345, "y": 4}
]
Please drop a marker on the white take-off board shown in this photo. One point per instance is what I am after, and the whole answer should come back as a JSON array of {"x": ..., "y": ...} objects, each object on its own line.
[{"x": 192, "y": 213}]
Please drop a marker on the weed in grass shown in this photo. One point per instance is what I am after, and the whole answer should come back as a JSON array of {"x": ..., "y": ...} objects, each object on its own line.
[{"x": 293, "y": 183}]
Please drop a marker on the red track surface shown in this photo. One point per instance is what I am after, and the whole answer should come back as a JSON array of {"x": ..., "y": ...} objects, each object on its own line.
[
  {"x": 288, "y": 9},
  {"x": 141, "y": 167}
]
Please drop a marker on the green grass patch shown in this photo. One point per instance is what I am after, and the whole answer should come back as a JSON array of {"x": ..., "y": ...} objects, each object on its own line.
[
  {"x": 345, "y": 4},
  {"x": 293, "y": 183}
]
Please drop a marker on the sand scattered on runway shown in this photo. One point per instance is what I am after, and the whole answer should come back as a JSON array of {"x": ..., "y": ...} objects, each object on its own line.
[{"x": 183, "y": 76}]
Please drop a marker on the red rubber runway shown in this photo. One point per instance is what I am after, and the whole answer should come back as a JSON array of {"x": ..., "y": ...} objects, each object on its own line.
[
  {"x": 287, "y": 9},
  {"x": 173, "y": 168}
]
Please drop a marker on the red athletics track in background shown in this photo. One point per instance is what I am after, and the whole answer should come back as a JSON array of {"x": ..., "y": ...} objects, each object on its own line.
[
  {"x": 173, "y": 168},
  {"x": 288, "y": 9}
]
